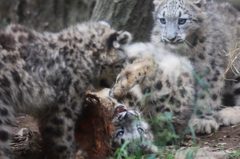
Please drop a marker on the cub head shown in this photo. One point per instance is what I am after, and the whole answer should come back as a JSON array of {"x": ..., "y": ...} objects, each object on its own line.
[
  {"x": 114, "y": 48},
  {"x": 130, "y": 129},
  {"x": 177, "y": 21},
  {"x": 112, "y": 56}
]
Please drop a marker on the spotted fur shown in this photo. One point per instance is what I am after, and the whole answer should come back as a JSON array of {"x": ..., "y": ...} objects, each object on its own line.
[
  {"x": 46, "y": 75},
  {"x": 204, "y": 32}
]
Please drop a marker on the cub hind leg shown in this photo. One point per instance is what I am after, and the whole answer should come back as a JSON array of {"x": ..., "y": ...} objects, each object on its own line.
[
  {"x": 57, "y": 130},
  {"x": 6, "y": 119},
  {"x": 230, "y": 114}
]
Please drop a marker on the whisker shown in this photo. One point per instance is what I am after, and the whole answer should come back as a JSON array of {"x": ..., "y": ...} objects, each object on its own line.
[
  {"x": 188, "y": 43},
  {"x": 185, "y": 42}
]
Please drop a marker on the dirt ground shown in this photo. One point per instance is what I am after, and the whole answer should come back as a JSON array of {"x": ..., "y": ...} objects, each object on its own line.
[
  {"x": 25, "y": 143},
  {"x": 227, "y": 138}
]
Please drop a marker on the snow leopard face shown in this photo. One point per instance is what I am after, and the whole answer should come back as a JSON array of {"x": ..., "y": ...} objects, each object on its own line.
[
  {"x": 130, "y": 129},
  {"x": 176, "y": 21}
]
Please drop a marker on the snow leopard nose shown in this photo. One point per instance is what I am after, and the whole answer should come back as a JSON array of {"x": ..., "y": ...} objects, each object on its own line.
[
  {"x": 171, "y": 39},
  {"x": 131, "y": 115}
]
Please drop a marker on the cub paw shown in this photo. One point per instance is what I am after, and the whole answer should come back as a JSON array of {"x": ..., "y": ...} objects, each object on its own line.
[
  {"x": 204, "y": 125},
  {"x": 133, "y": 75},
  {"x": 230, "y": 115},
  {"x": 120, "y": 88}
]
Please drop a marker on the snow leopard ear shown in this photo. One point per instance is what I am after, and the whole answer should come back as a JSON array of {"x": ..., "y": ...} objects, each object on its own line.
[
  {"x": 199, "y": 3},
  {"x": 119, "y": 38},
  {"x": 157, "y": 2},
  {"x": 103, "y": 22}
]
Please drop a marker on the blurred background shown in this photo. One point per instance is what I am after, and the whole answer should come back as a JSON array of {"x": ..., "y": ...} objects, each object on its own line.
[
  {"x": 51, "y": 15},
  {"x": 54, "y": 15}
]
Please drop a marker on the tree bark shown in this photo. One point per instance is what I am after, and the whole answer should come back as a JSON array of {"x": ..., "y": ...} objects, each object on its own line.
[
  {"x": 134, "y": 16},
  {"x": 50, "y": 15}
]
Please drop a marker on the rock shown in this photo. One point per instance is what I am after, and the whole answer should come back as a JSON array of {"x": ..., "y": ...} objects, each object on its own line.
[
  {"x": 226, "y": 136},
  {"x": 200, "y": 153}
]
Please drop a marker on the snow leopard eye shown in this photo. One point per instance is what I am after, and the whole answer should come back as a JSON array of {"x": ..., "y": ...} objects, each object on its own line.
[
  {"x": 162, "y": 20},
  {"x": 181, "y": 21},
  {"x": 120, "y": 133},
  {"x": 140, "y": 130}
]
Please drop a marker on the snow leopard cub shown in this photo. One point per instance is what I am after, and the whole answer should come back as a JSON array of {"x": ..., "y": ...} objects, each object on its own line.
[
  {"x": 205, "y": 32},
  {"x": 46, "y": 75},
  {"x": 156, "y": 81}
]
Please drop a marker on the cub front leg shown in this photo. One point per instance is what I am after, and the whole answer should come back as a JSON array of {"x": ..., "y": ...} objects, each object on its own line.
[
  {"x": 132, "y": 75},
  {"x": 208, "y": 100}
]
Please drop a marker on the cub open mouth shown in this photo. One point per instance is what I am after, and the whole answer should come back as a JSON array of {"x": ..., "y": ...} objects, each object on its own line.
[{"x": 119, "y": 108}]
